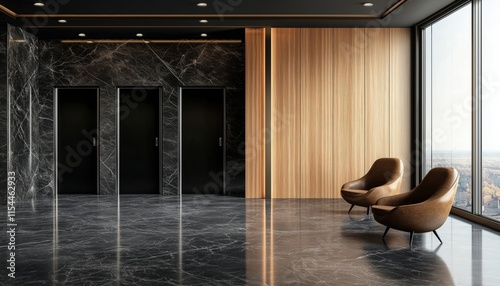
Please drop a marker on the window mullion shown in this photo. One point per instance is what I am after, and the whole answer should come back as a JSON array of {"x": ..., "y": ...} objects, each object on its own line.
[{"x": 476, "y": 187}]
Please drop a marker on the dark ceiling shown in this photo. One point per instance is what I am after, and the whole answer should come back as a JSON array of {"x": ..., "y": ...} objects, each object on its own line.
[{"x": 180, "y": 19}]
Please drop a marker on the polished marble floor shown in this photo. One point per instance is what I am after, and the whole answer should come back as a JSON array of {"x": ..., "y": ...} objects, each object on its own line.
[{"x": 216, "y": 240}]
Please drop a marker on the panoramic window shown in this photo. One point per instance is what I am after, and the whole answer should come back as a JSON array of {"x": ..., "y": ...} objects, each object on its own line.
[
  {"x": 448, "y": 98},
  {"x": 490, "y": 107},
  {"x": 448, "y": 60}
]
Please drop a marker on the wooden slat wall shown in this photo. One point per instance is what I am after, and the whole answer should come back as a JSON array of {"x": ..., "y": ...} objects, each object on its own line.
[
  {"x": 400, "y": 100},
  {"x": 377, "y": 108},
  {"x": 285, "y": 120},
  {"x": 316, "y": 113},
  {"x": 340, "y": 100},
  {"x": 255, "y": 120},
  {"x": 349, "y": 106}
]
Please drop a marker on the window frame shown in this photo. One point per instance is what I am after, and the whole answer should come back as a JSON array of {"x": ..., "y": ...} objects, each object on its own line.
[{"x": 421, "y": 112}]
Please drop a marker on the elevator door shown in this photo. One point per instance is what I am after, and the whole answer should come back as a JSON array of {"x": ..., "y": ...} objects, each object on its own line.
[
  {"x": 139, "y": 140},
  {"x": 202, "y": 140},
  {"x": 77, "y": 136}
]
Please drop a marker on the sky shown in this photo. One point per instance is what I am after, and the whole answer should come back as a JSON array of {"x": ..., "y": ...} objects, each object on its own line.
[
  {"x": 491, "y": 75},
  {"x": 449, "y": 50}
]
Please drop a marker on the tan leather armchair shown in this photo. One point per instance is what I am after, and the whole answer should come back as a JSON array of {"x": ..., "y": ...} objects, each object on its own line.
[
  {"x": 383, "y": 179},
  {"x": 423, "y": 209}
]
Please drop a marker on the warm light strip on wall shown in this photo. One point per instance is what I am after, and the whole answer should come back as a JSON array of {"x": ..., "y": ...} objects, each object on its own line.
[
  {"x": 7, "y": 11},
  {"x": 150, "y": 41},
  {"x": 392, "y": 8}
]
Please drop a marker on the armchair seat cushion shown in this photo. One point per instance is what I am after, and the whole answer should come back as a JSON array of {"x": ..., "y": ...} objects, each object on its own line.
[
  {"x": 383, "y": 179},
  {"x": 353, "y": 193},
  {"x": 381, "y": 210},
  {"x": 423, "y": 209}
]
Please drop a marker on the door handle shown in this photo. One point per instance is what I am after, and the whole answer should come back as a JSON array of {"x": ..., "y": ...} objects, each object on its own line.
[
  {"x": 220, "y": 141},
  {"x": 156, "y": 142},
  {"x": 94, "y": 141}
]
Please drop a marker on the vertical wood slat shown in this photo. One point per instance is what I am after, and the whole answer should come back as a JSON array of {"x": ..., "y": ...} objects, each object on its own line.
[
  {"x": 400, "y": 100},
  {"x": 369, "y": 111},
  {"x": 316, "y": 113},
  {"x": 255, "y": 70},
  {"x": 349, "y": 106},
  {"x": 285, "y": 121},
  {"x": 377, "y": 111}
]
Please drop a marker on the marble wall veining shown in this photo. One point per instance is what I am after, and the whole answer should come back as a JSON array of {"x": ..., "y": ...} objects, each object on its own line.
[
  {"x": 128, "y": 64},
  {"x": 23, "y": 111},
  {"x": 3, "y": 114}
]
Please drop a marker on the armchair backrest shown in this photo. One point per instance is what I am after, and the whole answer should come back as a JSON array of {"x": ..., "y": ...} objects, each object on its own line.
[
  {"x": 382, "y": 171},
  {"x": 438, "y": 183}
]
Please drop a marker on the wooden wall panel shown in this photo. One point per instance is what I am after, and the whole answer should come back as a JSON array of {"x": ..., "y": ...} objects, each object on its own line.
[
  {"x": 377, "y": 111},
  {"x": 316, "y": 113},
  {"x": 400, "y": 100},
  {"x": 255, "y": 116},
  {"x": 349, "y": 106},
  {"x": 340, "y": 100},
  {"x": 285, "y": 120}
]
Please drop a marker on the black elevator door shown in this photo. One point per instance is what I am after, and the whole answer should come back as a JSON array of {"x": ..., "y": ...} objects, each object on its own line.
[
  {"x": 139, "y": 140},
  {"x": 77, "y": 111},
  {"x": 203, "y": 139}
]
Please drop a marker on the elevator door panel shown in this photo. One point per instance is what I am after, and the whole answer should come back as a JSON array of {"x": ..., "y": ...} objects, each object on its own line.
[
  {"x": 203, "y": 140},
  {"x": 139, "y": 140},
  {"x": 77, "y": 152}
]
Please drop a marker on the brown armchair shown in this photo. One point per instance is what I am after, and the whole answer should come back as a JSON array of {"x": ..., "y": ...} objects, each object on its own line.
[
  {"x": 383, "y": 179},
  {"x": 423, "y": 209}
]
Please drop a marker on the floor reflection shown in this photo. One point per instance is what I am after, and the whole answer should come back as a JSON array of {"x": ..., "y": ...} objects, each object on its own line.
[
  {"x": 218, "y": 240},
  {"x": 407, "y": 266},
  {"x": 85, "y": 238}
]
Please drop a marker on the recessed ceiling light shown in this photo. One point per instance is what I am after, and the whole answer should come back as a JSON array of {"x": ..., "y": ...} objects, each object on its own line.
[
  {"x": 139, "y": 35},
  {"x": 81, "y": 35},
  {"x": 203, "y": 35},
  {"x": 368, "y": 4},
  {"x": 203, "y": 21},
  {"x": 202, "y": 4},
  {"x": 39, "y": 4},
  {"x": 62, "y": 21}
]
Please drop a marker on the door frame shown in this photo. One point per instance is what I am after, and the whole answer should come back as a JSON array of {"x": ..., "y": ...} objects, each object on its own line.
[
  {"x": 224, "y": 191},
  {"x": 160, "y": 135},
  {"x": 56, "y": 141}
]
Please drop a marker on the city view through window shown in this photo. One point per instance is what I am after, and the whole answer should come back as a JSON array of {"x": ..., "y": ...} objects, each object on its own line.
[
  {"x": 491, "y": 106},
  {"x": 448, "y": 103}
]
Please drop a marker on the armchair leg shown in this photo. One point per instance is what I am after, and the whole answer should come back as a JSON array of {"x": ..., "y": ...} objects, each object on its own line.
[
  {"x": 411, "y": 237},
  {"x": 350, "y": 209},
  {"x": 367, "y": 210},
  {"x": 436, "y": 234},
  {"x": 385, "y": 232}
]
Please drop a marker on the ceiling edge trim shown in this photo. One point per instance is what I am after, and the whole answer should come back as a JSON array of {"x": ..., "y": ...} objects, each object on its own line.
[
  {"x": 209, "y": 16},
  {"x": 130, "y": 27},
  {"x": 14, "y": 15}
]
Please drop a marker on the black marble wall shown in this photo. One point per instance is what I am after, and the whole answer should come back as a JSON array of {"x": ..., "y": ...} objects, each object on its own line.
[
  {"x": 3, "y": 114},
  {"x": 23, "y": 111},
  {"x": 166, "y": 65}
]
